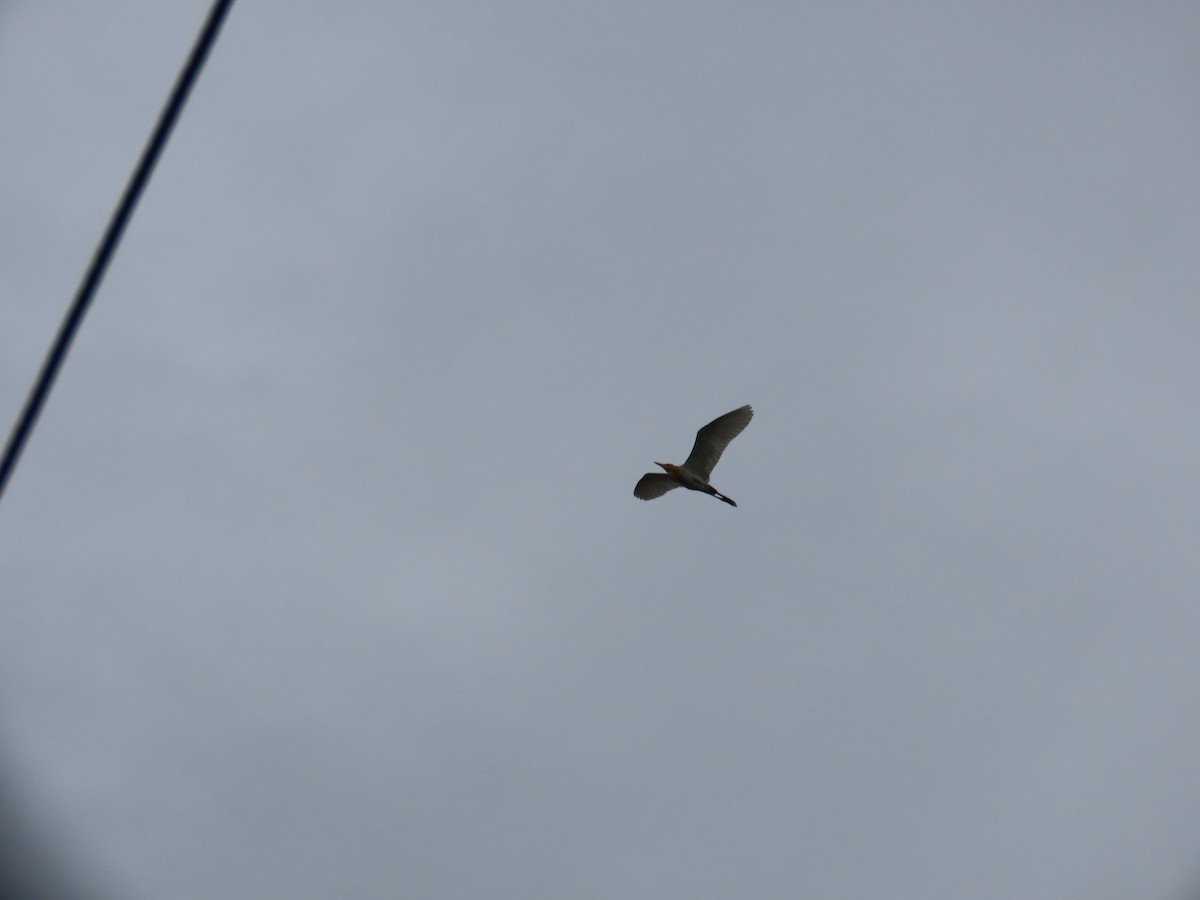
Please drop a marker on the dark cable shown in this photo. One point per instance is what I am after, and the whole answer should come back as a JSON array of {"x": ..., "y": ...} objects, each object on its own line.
[{"x": 112, "y": 237}]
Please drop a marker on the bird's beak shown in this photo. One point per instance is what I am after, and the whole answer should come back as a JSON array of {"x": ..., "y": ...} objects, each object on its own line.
[{"x": 661, "y": 466}]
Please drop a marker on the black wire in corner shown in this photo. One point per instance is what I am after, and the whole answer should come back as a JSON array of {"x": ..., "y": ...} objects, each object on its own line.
[{"x": 112, "y": 237}]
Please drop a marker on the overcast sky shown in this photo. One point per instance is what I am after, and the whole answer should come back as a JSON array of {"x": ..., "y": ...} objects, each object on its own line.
[{"x": 322, "y": 575}]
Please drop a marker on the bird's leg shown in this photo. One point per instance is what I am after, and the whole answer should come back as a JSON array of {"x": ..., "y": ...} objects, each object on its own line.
[{"x": 721, "y": 496}]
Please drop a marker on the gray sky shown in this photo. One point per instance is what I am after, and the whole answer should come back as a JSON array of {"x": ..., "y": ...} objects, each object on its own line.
[{"x": 322, "y": 575}]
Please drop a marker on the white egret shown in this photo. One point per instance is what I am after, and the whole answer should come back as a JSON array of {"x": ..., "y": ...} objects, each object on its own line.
[{"x": 711, "y": 441}]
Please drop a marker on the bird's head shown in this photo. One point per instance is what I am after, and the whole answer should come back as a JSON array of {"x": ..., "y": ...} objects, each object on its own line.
[{"x": 669, "y": 468}]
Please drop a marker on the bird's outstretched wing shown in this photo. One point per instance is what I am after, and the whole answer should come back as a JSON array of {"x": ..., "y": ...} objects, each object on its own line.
[
  {"x": 713, "y": 438},
  {"x": 654, "y": 484}
]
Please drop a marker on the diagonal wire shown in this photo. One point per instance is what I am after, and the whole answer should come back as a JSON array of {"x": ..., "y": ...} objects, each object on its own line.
[{"x": 112, "y": 237}]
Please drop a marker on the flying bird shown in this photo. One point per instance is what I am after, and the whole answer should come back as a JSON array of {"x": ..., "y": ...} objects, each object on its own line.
[{"x": 711, "y": 441}]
